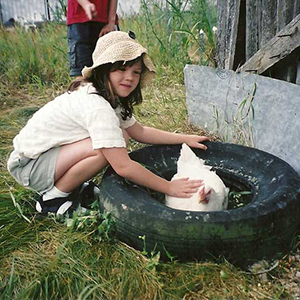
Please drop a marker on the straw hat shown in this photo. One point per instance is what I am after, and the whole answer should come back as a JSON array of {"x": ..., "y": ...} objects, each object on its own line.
[{"x": 120, "y": 46}]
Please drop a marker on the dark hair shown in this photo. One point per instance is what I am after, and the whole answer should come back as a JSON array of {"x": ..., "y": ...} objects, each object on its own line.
[{"x": 100, "y": 80}]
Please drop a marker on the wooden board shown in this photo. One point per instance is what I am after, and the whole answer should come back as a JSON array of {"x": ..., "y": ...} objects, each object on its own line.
[
  {"x": 268, "y": 11},
  {"x": 228, "y": 16},
  {"x": 235, "y": 13},
  {"x": 280, "y": 46},
  {"x": 221, "y": 43},
  {"x": 252, "y": 28},
  {"x": 296, "y": 8},
  {"x": 247, "y": 26}
]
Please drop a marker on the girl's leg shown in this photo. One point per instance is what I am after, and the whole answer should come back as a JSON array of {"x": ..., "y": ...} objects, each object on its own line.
[{"x": 76, "y": 163}]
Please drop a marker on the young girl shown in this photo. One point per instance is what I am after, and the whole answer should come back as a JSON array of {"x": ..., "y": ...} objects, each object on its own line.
[{"x": 73, "y": 137}]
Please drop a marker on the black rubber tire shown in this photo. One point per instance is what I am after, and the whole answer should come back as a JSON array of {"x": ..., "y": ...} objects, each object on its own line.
[{"x": 260, "y": 229}]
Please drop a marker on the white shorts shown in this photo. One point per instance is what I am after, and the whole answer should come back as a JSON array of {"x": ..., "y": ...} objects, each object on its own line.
[{"x": 36, "y": 174}]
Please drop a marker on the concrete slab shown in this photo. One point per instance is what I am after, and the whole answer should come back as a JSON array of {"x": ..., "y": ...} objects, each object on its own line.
[{"x": 268, "y": 120}]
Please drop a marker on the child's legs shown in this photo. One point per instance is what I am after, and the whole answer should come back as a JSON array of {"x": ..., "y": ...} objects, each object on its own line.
[
  {"x": 66, "y": 167},
  {"x": 76, "y": 163}
]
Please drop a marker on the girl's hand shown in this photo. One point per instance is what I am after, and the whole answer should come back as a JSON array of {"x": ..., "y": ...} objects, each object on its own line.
[
  {"x": 195, "y": 140},
  {"x": 183, "y": 187}
]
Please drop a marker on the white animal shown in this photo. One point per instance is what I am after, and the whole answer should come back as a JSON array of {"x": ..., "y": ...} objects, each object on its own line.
[{"x": 212, "y": 196}]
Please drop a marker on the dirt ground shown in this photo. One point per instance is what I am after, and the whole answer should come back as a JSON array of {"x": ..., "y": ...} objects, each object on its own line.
[{"x": 285, "y": 272}]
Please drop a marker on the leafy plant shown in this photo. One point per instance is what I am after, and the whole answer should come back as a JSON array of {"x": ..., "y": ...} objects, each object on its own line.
[
  {"x": 236, "y": 198},
  {"x": 100, "y": 226},
  {"x": 153, "y": 257}
]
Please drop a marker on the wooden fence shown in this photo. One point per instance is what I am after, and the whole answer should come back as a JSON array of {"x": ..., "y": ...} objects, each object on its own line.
[{"x": 261, "y": 36}]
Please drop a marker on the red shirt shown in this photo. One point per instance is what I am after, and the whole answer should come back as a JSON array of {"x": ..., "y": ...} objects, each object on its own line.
[{"x": 76, "y": 14}]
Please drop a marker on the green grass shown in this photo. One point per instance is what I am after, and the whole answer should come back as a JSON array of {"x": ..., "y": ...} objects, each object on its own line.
[
  {"x": 171, "y": 34},
  {"x": 43, "y": 258},
  {"x": 42, "y": 56}
]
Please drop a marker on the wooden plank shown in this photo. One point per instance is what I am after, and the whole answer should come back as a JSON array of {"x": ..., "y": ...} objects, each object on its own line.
[
  {"x": 286, "y": 12},
  {"x": 252, "y": 27},
  {"x": 268, "y": 19},
  {"x": 291, "y": 66},
  {"x": 280, "y": 15},
  {"x": 287, "y": 68},
  {"x": 234, "y": 13},
  {"x": 228, "y": 12},
  {"x": 286, "y": 41},
  {"x": 221, "y": 37},
  {"x": 289, "y": 11},
  {"x": 296, "y": 8}
]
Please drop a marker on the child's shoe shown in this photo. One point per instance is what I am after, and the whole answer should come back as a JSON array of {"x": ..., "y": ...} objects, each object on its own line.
[
  {"x": 86, "y": 194},
  {"x": 58, "y": 206}
]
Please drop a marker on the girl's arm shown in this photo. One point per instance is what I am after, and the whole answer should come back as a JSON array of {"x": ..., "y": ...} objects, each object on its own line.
[
  {"x": 120, "y": 161},
  {"x": 151, "y": 135}
]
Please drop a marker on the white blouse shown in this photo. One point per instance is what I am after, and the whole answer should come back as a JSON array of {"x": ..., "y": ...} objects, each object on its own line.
[{"x": 69, "y": 118}]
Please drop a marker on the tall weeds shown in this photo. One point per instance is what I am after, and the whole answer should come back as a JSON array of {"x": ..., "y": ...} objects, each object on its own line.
[
  {"x": 38, "y": 56},
  {"x": 171, "y": 31}
]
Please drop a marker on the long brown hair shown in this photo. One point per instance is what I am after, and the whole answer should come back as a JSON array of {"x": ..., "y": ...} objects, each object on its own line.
[{"x": 100, "y": 80}]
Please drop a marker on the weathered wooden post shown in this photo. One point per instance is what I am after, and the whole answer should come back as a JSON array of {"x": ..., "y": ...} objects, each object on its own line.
[{"x": 260, "y": 36}]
